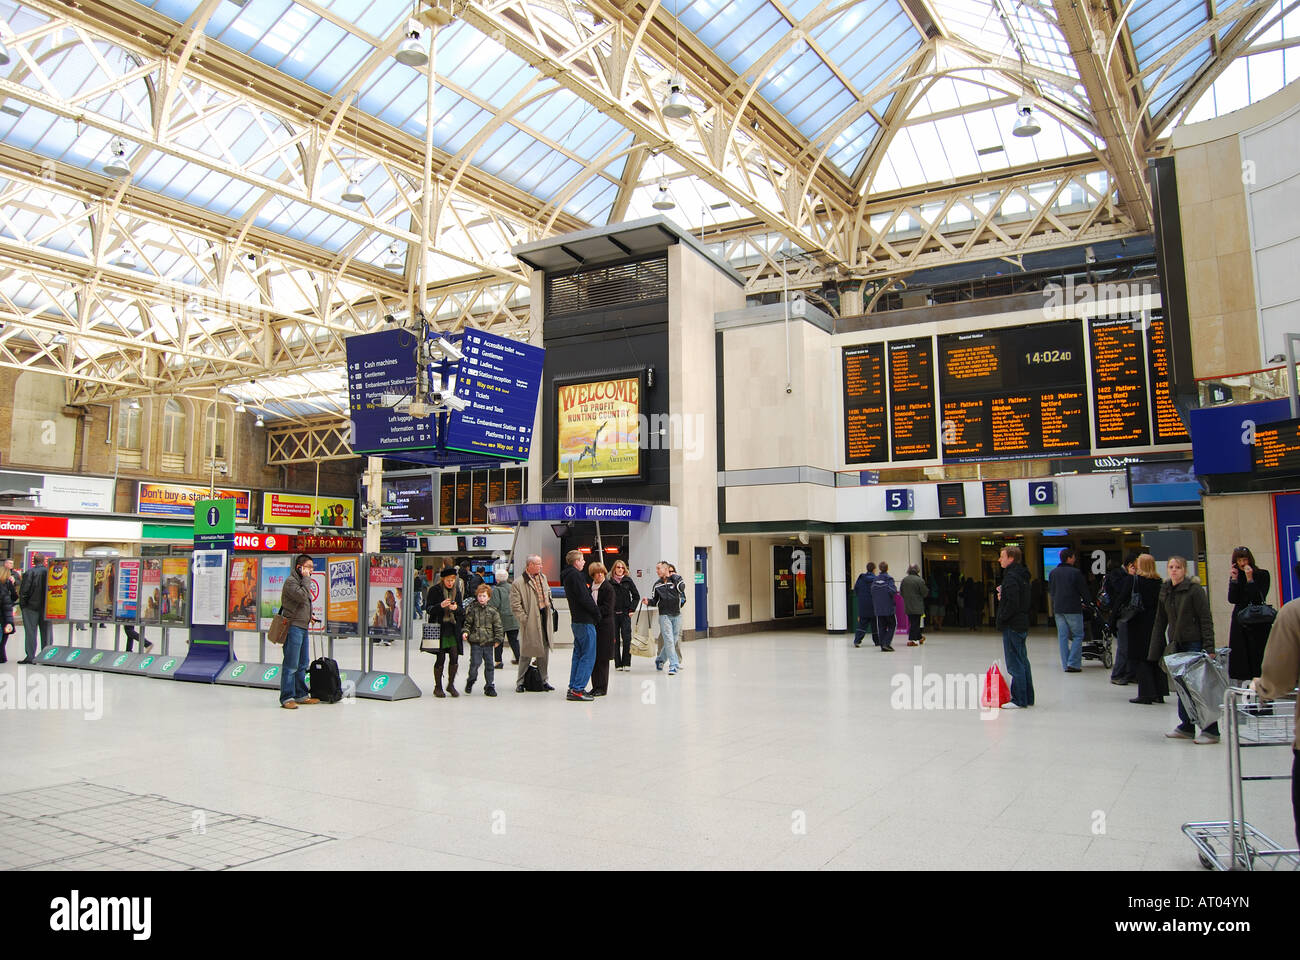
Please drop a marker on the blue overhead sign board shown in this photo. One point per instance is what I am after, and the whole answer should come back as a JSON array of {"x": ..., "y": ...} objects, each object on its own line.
[
  {"x": 501, "y": 380},
  {"x": 1221, "y": 436},
  {"x": 378, "y": 364},
  {"x": 530, "y": 512}
]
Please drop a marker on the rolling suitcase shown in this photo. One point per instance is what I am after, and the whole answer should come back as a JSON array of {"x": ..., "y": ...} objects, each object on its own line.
[{"x": 323, "y": 680}]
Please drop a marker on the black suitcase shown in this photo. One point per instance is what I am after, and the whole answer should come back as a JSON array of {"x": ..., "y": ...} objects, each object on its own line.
[
  {"x": 323, "y": 680},
  {"x": 533, "y": 679}
]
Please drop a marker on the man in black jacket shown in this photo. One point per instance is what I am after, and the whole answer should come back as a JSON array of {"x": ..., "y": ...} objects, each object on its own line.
[
  {"x": 8, "y": 600},
  {"x": 1069, "y": 593},
  {"x": 31, "y": 598},
  {"x": 583, "y": 615},
  {"x": 1013, "y": 618}
]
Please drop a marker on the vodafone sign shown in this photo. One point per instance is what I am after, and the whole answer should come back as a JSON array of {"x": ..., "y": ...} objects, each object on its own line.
[
  {"x": 12, "y": 527},
  {"x": 270, "y": 542}
]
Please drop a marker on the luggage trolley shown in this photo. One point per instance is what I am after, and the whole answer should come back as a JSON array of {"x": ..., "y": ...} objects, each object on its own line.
[{"x": 1233, "y": 844}]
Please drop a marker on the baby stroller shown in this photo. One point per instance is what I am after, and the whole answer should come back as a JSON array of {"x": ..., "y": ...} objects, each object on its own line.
[{"x": 1098, "y": 637}]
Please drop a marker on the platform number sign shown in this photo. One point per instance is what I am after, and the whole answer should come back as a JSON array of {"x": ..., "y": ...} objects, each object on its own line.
[
  {"x": 1042, "y": 493},
  {"x": 899, "y": 498}
]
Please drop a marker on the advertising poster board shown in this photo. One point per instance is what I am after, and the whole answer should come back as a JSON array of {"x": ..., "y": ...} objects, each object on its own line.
[
  {"x": 241, "y": 607},
  {"x": 343, "y": 600},
  {"x": 56, "y": 590},
  {"x": 384, "y": 598},
  {"x": 597, "y": 427},
  {"x": 127, "y": 605},
  {"x": 298, "y": 510},
  {"x": 177, "y": 500},
  {"x": 174, "y": 607},
  {"x": 275, "y": 570},
  {"x": 209, "y": 588},
  {"x": 791, "y": 582},
  {"x": 151, "y": 590},
  {"x": 101, "y": 609},
  {"x": 81, "y": 579}
]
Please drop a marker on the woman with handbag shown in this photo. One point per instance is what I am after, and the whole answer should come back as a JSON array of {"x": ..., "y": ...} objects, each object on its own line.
[
  {"x": 445, "y": 606},
  {"x": 1184, "y": 610},
  {"x": 602, "y": 591},
  {"x": 626, "y": 599},
  {"x": 1252, "y": 619},
  {"x": 1137, "y": 619}
]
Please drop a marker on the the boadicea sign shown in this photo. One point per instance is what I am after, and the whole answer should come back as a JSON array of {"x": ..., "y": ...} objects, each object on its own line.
[{"x": 597, "y": 428}]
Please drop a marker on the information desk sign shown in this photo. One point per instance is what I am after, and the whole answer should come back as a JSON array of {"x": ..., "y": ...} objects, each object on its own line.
[{"x": 500, "y": 379}]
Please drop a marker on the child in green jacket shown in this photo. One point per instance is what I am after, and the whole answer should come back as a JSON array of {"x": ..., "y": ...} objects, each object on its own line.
[{"x": 483, "y": 631}]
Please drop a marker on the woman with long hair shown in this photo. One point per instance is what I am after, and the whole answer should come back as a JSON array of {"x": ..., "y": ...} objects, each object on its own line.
[
  {"x": 1153, "y": 684},
  {"x": 602, "y": 592},
  {"x": 1247, "y": 584},
  {"x": 626, "y": 599}
]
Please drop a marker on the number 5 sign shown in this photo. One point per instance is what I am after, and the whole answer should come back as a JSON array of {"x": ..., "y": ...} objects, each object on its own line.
[
  {"x": 899, "y": 498},
  {"x": 1042, "y": 493}
]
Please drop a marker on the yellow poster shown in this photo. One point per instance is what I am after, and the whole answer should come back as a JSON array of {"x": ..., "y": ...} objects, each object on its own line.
[
  {"x": 598, "y": 428},
  {"x": 56, "y": 591},
  {"x": 298, "y": 510}
]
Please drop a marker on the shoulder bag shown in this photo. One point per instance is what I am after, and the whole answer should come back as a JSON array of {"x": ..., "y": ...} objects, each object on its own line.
[
  {"x": 1256, "y": 615},
  {"x": 1133, "y": 606},
  {"x": 643, "y": 645},
  {"x": 279, "y": 631}
]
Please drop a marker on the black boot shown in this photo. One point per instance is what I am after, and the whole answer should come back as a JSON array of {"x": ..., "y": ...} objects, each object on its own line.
[
  {"x": 437, "y": 680},
  {"x": 451, "y": 679}
]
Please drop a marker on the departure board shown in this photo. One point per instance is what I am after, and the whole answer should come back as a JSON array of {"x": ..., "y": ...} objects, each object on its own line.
[
  {"x": 1015, "y": 392},
  {"x": 864, "y": 403},
  {"x": 1276, "y": 452},
  {"x": 911, "y": 400},
  {"x": 514, "y": 486},
  {"x": 1168, "y": 425},
  {"x": 446, "y": 499},
  {"x": 952, "y": 500},
  {"x": 478, "y": 498},
  {"x": 997, "y": 498},
  {"x": 463, "y": 496},
  {"x": 1119, "y": 383},
  {"x": 496, "y": 486}
]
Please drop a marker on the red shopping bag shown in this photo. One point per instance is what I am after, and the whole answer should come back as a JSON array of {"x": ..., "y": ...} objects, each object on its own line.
[{"x": 996, "y": 691}]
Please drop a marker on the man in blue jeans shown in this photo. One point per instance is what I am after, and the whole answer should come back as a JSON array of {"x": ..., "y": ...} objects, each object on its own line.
[
  {"x": 1069, "y": 591},
  {"x": 1013, "y": 618},
  {"x": 668, "y": 596},
  {"x": 295, "y": 606},
  {"x": 583, "y": 615}
]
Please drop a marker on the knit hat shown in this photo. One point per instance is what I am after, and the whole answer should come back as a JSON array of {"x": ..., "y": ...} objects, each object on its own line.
[{"x": 449, "y": 572}]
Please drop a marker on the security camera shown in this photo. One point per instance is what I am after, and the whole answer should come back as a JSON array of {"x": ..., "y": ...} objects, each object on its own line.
[
  {"x": 448, "y": 349},
  {"x": 223, "y": 469},
  {"x": 450, "y": 400}
]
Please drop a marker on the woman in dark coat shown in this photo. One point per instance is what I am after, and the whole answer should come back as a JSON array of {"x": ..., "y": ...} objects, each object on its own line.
[
  {"x": 1247, "y": 584},
  {"x": 1183, "y": 609},
  {"x": 445, "y": 605},
  {"x": 1153, "y": 683},
  {"x": 602, "y": 591}
]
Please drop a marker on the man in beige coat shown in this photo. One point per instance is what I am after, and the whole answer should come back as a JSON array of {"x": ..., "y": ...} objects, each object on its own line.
[
  {"x": 530, "y": 602},
  {"x": 1278, "y": 678}
]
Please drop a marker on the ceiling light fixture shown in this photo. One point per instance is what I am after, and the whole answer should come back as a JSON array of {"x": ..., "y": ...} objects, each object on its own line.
[
  {"x": 410, "y": 52},
  {"x": 394, "y": 261},
  {"x": 677, "y": 106},
  {"x": 133, "y": 404},
  {"x": 1026, "y": 125},
  {"x": 261, "y": 421},
  {"x": 664, "y": 201},
  {"x": 194, "y": 305},
  {"x": 117, "y": 165},
  {"x": 240, "y": 408},
  {"x": 353, "y": 192}
]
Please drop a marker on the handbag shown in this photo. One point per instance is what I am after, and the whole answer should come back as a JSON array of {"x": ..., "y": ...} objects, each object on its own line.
[
  {"x": 642, "y": 643},
  {"x": 1257, "y": 614},
  {"x": 1132, "y": 606},
  {"x": 996, "y": 691},
  {"x": 533, "y": 682},
  {"x": 279, "y": 631},
  {"x": 431, "y": 638}
]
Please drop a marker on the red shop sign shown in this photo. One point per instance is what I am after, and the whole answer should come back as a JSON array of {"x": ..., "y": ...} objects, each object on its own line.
[
  {"x": 16, "y": 526},
  {"x": 270, "y": 542}
]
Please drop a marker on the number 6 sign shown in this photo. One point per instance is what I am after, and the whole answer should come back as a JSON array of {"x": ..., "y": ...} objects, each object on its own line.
[{"x": 1042, "y": 493}]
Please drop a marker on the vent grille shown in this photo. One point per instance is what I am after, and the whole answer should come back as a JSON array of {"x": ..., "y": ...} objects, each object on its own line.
[
  {"x": 601, "y": 288},
  {"x": 733, "y": 611},
  {"x": 733, "y": 548}
]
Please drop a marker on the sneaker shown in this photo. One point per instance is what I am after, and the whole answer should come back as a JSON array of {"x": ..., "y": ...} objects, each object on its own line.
[
  {"x": 858, "y": 644},
  {"x": 912, "y": 643},
  {"x": 1178, "y": 733},
  {"x": 887, "y": 649},
  {"x": 1074, "y": 670},
  {"x": 1011, "y": 705},
  {"x": 469, "y": 684},
  {"x": 547, "y": 688},
  {"x": 489, "y": 691},
  {"x": 659, "y": 664},
  {"x": 148, "y": 645},
  {"x": 578, "y": 695},
  {"x": 1207, "y": 738},
  {"x": 672, "y": 671},
  {"x": 519, "y": 688}
]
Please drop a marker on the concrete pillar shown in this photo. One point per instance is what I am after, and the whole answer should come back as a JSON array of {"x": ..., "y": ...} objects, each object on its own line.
[
  {"x": 850, "y": 300},
  {"x": 374, "y": 500},
  {"x": 837, "y": 620}
]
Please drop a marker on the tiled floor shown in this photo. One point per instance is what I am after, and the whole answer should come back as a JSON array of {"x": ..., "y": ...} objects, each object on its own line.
[{"x": 777, "y": 750}]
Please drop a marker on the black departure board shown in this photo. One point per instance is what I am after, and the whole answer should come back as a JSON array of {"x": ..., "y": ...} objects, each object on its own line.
[
  {"x": 952, "y": 500},
  {"x": 1169, "y": 426},
  {"x": 496, "y": 486},
  {"x": 446, "y": 499},
  {"x": 997, "y": 498},
  {"x": 1119, "y": 383},
  {"x": 864, "y": 404},
  {"x": 514, "y": 486},
  {"x": 464, "y": 493},
  {"x": 478, "y": 498},
  {"x": 1276, "y": 452},
  {"x": 911, "y": 399},
  {"x": 1015, "y": 392}
]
